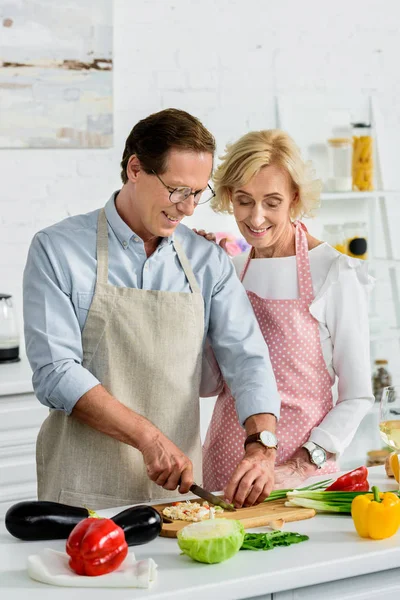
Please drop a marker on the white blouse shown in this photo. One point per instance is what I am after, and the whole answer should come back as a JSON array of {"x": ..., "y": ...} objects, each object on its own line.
[{"x": 341, "y": 286}]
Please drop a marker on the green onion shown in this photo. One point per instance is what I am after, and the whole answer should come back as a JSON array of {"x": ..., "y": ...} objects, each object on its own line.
[
  {"x": 330, "y": 502},
  {"x": 338, "y": 507},
  {"x": 325, "y": 496},
  {"x": 279, "y": 494}
]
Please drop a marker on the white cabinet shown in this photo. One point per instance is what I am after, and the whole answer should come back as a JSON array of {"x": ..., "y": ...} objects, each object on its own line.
[
  {"x": 384, "y": 585},
  {"x": 21, "y": 416}
]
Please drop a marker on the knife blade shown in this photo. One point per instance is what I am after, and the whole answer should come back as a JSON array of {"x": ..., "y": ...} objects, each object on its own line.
[{"x": 216, "y": 500}]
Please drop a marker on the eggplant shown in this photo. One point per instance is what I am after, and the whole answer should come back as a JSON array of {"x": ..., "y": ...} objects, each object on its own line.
[
  {"x": 41, "y": 520},
  {"x": 141, "y": 524}
]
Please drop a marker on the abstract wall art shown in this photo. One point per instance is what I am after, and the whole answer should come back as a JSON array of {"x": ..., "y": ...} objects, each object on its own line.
[{"x": 56, "y": 74}]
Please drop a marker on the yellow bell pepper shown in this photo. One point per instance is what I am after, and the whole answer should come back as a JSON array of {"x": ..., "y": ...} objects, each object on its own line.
[{"x": 377, "y": 515}]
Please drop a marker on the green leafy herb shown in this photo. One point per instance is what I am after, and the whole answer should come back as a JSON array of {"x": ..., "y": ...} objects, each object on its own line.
[{"x": 268, "y": 541}]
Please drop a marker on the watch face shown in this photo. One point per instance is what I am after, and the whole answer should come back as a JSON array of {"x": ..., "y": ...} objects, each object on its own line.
[
  {"x": 318, "y": 456},
  {"x": 268, "y": 439}
]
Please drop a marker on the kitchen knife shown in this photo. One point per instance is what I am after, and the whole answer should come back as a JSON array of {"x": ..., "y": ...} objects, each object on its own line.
[{"x": 216, "y": 500}]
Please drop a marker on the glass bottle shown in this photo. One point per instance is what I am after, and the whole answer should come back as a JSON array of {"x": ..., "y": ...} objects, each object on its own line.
[
  {"x": 356, "y": 240},
  {"x": 340, "y": 152},
  {"x": 334, "y": 235},
  {"x": 381, "y": 378},
  {"x": 362, "y": 163}
]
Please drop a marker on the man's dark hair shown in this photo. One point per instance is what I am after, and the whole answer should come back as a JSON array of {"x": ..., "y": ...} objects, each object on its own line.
[{"x": 152, "y": 138}]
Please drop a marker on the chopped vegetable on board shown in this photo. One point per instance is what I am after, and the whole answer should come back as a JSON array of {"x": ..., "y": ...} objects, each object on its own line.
[{"x": 189, "y": 511}]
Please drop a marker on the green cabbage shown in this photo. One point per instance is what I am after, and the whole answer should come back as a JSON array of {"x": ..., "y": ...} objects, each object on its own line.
[{"x": 211, "y": 541}]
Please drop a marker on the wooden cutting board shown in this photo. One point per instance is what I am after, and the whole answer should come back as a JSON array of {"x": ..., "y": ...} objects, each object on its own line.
[{"x": 255, "y": 516}]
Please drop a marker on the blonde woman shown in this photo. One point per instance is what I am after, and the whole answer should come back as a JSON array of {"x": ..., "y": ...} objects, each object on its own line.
[{"x": 312, "y": 307}]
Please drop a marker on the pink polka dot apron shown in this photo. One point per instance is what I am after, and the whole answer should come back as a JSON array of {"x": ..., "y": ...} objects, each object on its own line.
[{"x": 304, "y": 382}]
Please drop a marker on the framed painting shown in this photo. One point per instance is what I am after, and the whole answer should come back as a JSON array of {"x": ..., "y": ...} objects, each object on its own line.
[{"x": 56, "y": 74}]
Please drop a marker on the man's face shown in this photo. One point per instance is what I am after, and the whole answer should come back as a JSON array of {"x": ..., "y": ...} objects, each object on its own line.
[{"x": 155, "y": 214}]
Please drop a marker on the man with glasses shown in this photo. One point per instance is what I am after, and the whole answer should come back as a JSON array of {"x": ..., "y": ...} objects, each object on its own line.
[{"x": 117, "y": 307}]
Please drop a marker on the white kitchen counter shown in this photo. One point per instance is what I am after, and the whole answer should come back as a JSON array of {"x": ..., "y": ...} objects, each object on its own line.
[
  {"x": 333, "y": 552},
  {"x": 16, "y": 378}
]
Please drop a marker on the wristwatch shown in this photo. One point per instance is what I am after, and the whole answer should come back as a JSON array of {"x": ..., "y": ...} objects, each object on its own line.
[
  {"x": 316, "y": 453},
  {"x": 266, "y": 438}
]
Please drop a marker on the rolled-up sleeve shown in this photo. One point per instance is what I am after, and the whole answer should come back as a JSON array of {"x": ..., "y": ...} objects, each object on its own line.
[
  {"x": 52, "y": 333},
  {"x": 239, "y": 346}
]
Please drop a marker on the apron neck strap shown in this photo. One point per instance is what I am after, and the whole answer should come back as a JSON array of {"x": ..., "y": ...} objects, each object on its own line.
[
  {"x": 102, "y": 255},
  {"x": 187, "y": 269},
  {"x": 246, "y": 265},
  {"x": 303, "y": 263},
  {"x": 102, "y": 248}
]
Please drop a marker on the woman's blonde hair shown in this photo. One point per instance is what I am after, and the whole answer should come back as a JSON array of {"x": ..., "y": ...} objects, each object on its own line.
[{"x": 244, "y": 158}]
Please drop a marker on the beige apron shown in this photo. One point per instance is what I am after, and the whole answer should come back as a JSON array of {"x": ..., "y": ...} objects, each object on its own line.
[{"x": 145, "y": 348}]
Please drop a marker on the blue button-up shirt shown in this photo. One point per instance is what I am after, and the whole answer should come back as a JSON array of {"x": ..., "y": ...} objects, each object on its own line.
[{"x": 59, "y": 283}]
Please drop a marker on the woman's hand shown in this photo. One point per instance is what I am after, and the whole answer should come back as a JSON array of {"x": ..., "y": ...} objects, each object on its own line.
[
  {"x": 293, "y": 472},
  {"x": 211, "y": 237}
]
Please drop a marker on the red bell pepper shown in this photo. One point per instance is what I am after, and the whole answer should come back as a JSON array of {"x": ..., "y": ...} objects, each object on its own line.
[
  {"x": 96, "y": 547},
  {"x": 363, "y": 486},
  {"x": 354, "y": 481}
]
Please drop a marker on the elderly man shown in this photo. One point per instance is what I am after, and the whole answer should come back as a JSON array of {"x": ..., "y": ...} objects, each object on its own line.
[{"x": 117, "y": 306}]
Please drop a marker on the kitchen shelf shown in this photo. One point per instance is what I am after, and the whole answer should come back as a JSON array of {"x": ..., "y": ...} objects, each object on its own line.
[
  {"x": 388, "y": 262},
  {"x": 391, "y": 333},
  {"x": 391, "y": 263},
  {"x": 358, "y": 195}
]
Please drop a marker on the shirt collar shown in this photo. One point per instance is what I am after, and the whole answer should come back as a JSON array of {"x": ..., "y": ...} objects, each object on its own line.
[{"x": 123, "y": 232}]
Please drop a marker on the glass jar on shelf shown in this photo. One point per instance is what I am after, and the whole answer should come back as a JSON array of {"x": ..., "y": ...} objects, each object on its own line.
[
  {"x": 355, "y": 235},
  {"x": 340, "y": 151},
  {"x": 334, "y": 235},
  {"x": 381, "y": 378},
  {"x": 362, "y": 163}
]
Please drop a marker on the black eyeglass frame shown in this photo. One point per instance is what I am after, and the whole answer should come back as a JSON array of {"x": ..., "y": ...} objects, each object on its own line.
[{"x": 194, "y": 194}]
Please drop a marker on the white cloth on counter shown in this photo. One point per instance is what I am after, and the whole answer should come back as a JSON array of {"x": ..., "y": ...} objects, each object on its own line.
[
  {"x": 52, "y": 567},
  {"x": 341, "y": 285}
]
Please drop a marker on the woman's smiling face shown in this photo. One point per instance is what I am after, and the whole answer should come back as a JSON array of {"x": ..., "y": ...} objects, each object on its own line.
[{"x": 262, "y": 206}]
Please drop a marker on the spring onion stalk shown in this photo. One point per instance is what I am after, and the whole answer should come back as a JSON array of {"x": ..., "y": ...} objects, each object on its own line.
[
  {"x": 279, "y": 494},
  {"x": 330, "y": 502},
  {"x": 325, "y": 496},
  {"x": 338, "y": 507}
]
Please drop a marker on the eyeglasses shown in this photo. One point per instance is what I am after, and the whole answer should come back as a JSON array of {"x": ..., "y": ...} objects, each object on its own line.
[{"x": 180, "y": 194}]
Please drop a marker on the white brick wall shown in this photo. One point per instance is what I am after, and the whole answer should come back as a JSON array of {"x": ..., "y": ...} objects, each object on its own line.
[{"x": 223, "y": 60}]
